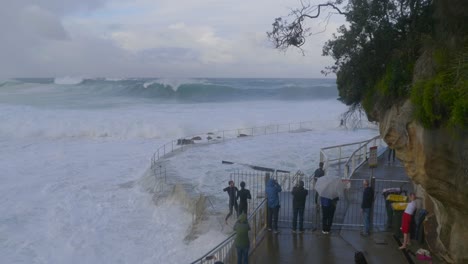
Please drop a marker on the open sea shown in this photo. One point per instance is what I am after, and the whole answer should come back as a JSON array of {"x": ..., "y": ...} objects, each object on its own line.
[{"x": 68, "y": 147}]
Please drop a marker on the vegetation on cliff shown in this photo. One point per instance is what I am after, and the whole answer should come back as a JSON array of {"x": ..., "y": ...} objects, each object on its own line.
[{"x": 377, "y": 52}]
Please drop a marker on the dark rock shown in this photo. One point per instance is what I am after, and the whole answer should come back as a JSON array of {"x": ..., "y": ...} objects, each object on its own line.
[
  {"x": 196, "y": 138},
  {"x": 183, "y": 141}
]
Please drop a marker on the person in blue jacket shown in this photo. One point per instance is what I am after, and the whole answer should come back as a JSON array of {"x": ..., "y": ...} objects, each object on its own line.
[{"x": 272, "y": 191}]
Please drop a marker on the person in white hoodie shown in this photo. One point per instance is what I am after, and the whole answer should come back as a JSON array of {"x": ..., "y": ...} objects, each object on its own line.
[{"x": 406, "y": 220}]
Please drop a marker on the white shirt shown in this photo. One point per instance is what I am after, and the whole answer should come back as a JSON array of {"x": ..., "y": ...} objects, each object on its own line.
[{"x": 411, "y": 208}]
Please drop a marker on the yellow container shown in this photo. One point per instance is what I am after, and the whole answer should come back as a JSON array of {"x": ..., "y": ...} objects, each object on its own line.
[
  {"x": 399, "y": 206},
  {"x": 396, "y": 198}
]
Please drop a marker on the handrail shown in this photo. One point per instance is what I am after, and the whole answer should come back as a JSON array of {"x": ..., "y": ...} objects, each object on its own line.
[
  {"x": 222, "y": 135},
  {"x": 359, "y": 156},
  {"x": 351, "y": 161},
  {"x": 224, "y": 250}
]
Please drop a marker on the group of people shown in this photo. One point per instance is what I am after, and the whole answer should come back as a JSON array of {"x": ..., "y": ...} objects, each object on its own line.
[
  {"x": 299, "y": 193},
  {"x": 235, "y": 194}
]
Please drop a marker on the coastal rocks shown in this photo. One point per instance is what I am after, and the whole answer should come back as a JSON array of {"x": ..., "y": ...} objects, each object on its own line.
[
  {"x": 183, "y": 141},
  {"x": 437, "y": 160}
]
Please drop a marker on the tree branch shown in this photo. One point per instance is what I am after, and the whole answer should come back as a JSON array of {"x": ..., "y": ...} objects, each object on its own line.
[{"x": 286, "y": 34}]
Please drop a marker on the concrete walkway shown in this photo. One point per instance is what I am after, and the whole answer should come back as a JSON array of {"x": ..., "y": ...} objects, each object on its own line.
[{"x": 340, "y": 245}]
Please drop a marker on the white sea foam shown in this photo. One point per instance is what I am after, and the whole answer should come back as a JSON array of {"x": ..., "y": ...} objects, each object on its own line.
[
  {"x": 68, "y": 80},
  {"x": 63, "y": 168},
  {"x": 173, "y": 83}
]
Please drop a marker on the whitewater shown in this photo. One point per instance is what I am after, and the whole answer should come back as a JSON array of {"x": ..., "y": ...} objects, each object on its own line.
[{"x": 70, "y": 147}]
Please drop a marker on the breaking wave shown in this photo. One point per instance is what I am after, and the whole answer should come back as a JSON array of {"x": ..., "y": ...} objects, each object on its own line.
[{"x": 190, "y": 90}]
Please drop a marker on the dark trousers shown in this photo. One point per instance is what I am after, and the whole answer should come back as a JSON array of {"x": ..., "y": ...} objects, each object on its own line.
[
  {"x": 327, "y": 217},
  {"x": 231, "y": 205},
  {"x": 272, "y": 215},
  {"x": 242, "y": 255},
  {"x": 299, "y": 211},
  {"x": 243, "y": 209}
]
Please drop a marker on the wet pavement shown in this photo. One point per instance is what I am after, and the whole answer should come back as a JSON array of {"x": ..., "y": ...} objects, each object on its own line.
[{"x": 334, "y": 248}]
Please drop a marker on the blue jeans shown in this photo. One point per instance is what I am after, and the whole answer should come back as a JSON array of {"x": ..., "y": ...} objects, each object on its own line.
[
  {"x": 366, "y": 212},
  {"x": 242, "y": 255},
  {"x": 298, "y": 212}
]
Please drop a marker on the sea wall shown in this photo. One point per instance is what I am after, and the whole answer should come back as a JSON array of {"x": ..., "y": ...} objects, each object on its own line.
[{"x": 437, "y": 161}]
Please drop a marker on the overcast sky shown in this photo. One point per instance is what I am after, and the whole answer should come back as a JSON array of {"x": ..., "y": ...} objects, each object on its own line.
[{"x": 153, "y": 38}]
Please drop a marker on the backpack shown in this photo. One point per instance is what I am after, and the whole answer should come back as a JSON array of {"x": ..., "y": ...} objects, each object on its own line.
[{"x": 359, "y": 258}]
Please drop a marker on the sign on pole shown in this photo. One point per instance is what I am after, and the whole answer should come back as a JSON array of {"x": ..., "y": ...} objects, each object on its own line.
[{"x": 373, "y": 157}]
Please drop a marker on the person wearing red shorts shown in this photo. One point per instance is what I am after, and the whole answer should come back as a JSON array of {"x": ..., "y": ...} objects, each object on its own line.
[{"x": 406, "y": 220}]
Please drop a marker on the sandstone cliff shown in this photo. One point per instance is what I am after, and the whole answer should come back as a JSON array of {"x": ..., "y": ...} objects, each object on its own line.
[{"x": 437, "y": 161}]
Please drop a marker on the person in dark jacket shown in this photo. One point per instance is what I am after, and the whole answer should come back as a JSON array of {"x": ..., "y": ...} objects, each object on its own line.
[
  {"x": 243, "y": 195},
  {"x": 232, "y": 192},
  {"x": 242, "y": 242},
  {"x": 299, "y": 199},
  {"x": 366, "y": 205},
  {"x": 317, "y": 174},
  {"x": 272, "y": 190}
]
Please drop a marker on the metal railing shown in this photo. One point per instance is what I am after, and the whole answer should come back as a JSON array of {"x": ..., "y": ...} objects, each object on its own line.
[
  {"x": 222, "y": 135},
  {"x": 225, "y": 251},
  {"x": 348, "y": 156},
  {"x": 359, "y": 156}
]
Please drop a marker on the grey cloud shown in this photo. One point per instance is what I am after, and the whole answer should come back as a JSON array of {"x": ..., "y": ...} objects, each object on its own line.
[{"x": 34, "y": 20}]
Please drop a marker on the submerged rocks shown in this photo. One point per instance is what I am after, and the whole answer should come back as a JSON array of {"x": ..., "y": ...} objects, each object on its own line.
[{"x": 183, "y": 141}]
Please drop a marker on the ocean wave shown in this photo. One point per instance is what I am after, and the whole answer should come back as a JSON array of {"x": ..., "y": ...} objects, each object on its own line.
[
  {"x": 183, "y": 90},
  {"x": 68, "y": 80}
]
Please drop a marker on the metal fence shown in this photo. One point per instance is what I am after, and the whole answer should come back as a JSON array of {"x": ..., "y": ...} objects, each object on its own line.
[
  {"x": 349, "y": 208},
  {"x": 256, "y": 183},
  {"x": 225, "y": 251},
  {"x": 348, "y": 211},
  {"x": 342, "y": 160},
  {"x": 222, "y": 135}
]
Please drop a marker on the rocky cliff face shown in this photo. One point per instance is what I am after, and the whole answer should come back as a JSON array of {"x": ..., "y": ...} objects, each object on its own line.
[{"x": 437, "y": 161}]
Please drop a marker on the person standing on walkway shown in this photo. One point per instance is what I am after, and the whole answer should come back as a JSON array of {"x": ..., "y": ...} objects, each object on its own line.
[
  {"x": 366, "y": 205},
  {"x": 299, "y": 199},
  {"x": 406, "y": 220},
  {"x": 232, "y": 192},
  {"x": 243, "y": 195},
  {"x": 317, "y": 174},
  {"x": 328, "y": 212},
  {"x": 242, "y": 243},
  {"x": 391, "y": 155},
  {"x": 272, "y": 190}
]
